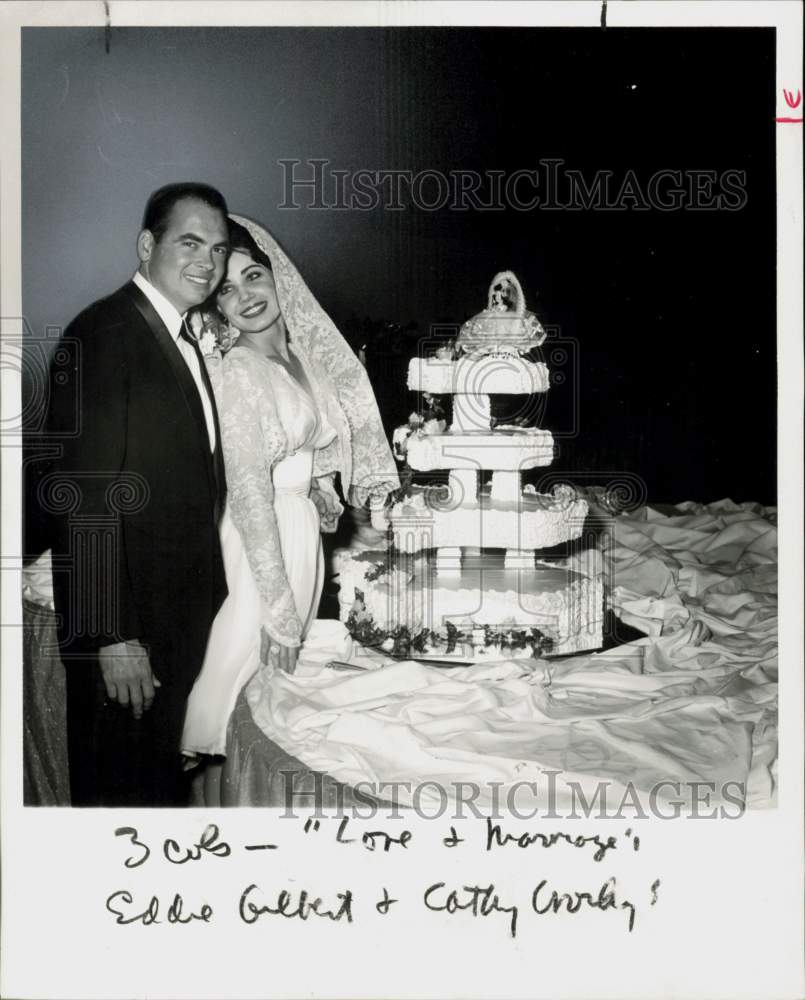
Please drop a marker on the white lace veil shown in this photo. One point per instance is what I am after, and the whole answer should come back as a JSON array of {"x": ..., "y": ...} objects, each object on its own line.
[{"x": 361, "y": 451}]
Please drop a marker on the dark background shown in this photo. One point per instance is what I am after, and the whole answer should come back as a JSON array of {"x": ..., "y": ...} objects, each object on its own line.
[{"x": 666, "y": 320}]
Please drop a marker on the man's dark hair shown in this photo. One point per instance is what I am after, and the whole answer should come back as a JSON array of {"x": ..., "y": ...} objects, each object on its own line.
[{"x": 160, "y": 204}]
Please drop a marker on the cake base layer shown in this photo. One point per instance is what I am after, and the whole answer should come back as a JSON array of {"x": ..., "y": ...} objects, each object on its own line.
[
  {"x": 488, "y": 610},
  {"x": 433, "y": 518}
]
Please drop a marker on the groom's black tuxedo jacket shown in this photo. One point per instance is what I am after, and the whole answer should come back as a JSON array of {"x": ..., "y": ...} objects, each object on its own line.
[{"x": 136, "y": 494}]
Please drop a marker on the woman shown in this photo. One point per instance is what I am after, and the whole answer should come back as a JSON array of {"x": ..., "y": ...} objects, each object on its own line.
[{"x": 295, "y": 407}]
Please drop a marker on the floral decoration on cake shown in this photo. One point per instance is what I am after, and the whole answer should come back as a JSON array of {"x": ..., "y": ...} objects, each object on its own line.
[
  {"x": 447, "y": 352},
  {"x": 430, "y": 421},
  {"x": 403, "y": 641}
]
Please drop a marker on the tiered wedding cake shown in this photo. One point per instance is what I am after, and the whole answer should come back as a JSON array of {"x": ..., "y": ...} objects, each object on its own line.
[{"x": 460, "y": 578}]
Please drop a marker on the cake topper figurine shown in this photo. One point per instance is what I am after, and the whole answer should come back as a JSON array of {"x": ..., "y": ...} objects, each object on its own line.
[
  {"x": 501, "y": 293},
  {"x": 505, "y": 326}
]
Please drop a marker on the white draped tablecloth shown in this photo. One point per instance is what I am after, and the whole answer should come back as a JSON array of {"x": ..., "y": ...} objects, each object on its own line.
[{"x": 694, "y": 701}]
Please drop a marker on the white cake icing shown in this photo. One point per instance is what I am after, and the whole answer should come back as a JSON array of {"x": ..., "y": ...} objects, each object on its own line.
[
  {"x": 463, "y": 487},
  {"x": 527, "y": 448},
  {"x": 425, "y": 521},
  {"x": 465, "y": 554},
  {"x": 496, "y": 374},
  {"x": 566, "y": 606},
  {"x": 433, "y": 375},
  {"x": 506, "y": 487}
]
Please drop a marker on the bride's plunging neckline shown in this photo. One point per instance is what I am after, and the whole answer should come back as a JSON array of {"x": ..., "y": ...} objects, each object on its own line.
[
  {"x": 314, "y": 430},
  {"x": 305, "y": 386}
]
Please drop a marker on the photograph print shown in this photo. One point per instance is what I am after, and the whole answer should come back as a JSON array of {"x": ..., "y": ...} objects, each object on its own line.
[{"x": 420, "y": 382}]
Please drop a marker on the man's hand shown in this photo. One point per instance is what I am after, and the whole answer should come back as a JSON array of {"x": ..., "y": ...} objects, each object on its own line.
[
  {"x": 127, "y": 675},
  {"x": 274, "y": 652}
]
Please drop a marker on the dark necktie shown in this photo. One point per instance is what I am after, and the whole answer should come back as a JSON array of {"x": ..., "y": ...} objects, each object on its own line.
[{"x": 185, "y": 334}]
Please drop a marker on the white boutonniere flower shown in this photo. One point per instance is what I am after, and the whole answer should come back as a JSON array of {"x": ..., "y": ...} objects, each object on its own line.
[{"x": 207, "y": 343}]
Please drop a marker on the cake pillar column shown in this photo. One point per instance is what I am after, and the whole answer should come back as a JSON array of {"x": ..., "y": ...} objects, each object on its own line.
[
  {"x": 519, "y": 559},
  {"x": 505, "y": 486},
  {"x": 463, "y": 485},
  {"x": 448, "y": 561},
  {"x": 471, "y": 412}
]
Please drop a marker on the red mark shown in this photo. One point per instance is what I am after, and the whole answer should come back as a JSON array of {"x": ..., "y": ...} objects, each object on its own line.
[{"x": 793, "y": 102}]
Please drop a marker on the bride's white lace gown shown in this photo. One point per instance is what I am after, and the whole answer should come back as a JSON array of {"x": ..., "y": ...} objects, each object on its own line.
[{"x": 270, "y": 430}]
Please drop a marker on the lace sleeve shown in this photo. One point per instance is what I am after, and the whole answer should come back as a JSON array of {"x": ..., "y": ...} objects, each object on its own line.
[{"x": 253, "y": 441}]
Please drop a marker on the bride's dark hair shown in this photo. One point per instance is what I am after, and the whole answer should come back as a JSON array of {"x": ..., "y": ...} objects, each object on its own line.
[{"x": 242, "y": 241}]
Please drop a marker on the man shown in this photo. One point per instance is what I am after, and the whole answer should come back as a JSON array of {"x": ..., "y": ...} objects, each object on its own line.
[{"x": 137, "y": 494}]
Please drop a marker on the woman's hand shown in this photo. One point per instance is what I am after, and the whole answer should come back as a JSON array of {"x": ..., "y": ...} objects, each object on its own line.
[
  {"x": 328, "y": 519},
  {"x": 327, "y": 504},
  {"x": 284, "y": 657}
]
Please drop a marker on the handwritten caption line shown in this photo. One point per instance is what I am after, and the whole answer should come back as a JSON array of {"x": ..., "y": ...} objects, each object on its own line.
[{"x": 478, "y": 900}]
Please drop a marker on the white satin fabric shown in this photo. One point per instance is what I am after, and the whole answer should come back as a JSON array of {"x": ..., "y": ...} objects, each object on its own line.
[
  {"x": 233, "y": 649},
  {"x": 696, "y": 700}
]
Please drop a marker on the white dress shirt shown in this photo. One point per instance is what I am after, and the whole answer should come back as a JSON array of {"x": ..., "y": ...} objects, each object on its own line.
[{"x": 174, "y": 321}]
